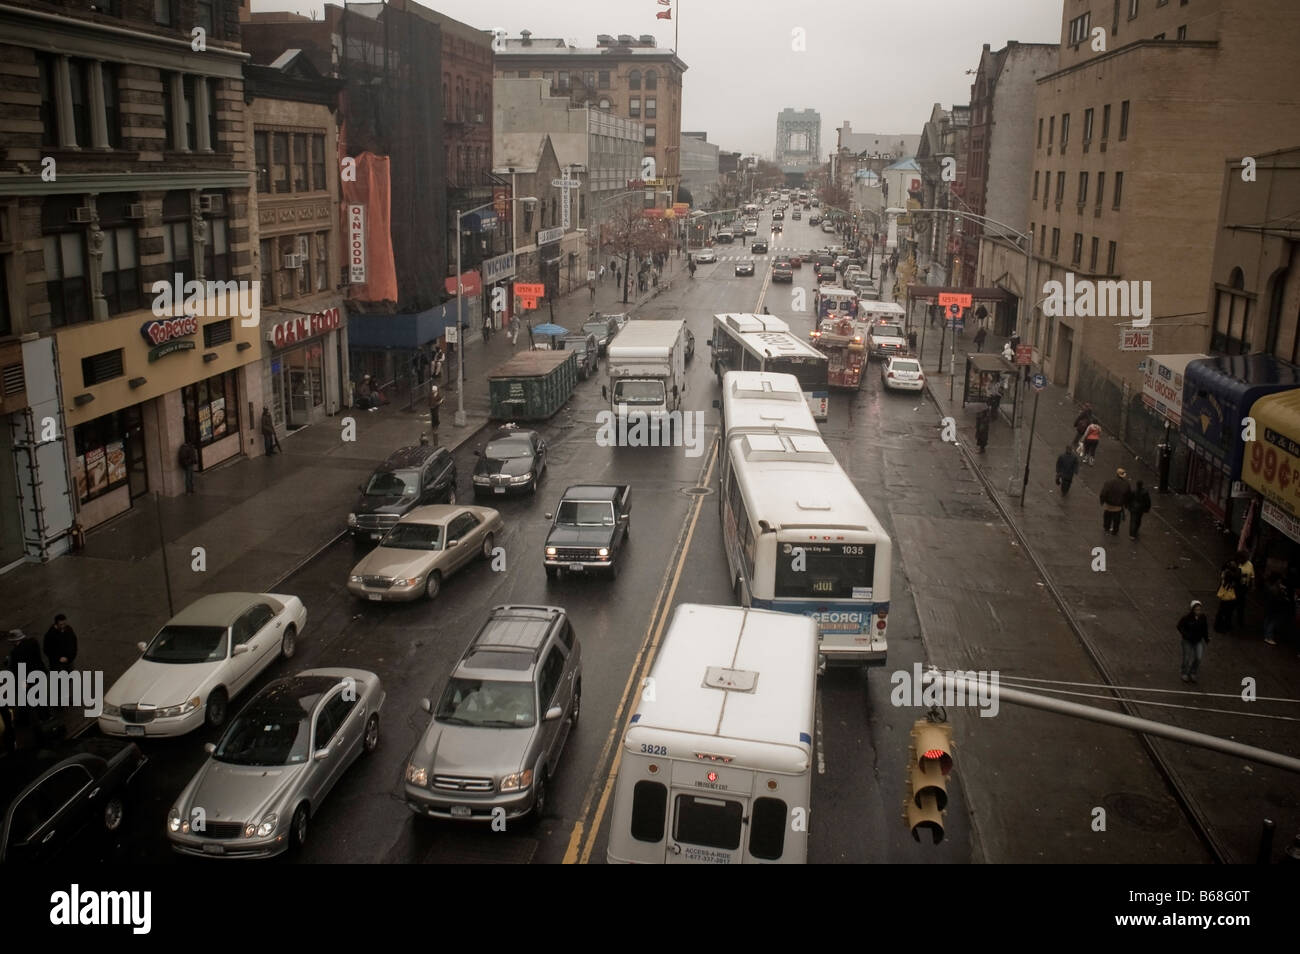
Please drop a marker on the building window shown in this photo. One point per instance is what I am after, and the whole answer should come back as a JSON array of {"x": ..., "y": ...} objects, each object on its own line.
[
  {"x": 650, "y": 135},
  {"x": 216, "y": 254},
  {"x": 217, "y": 333},
  {"x": 211, "y": 409},
  {"x": 261, "y": 159},
  {"x": 651, "y": 107},
  {"x": 203, "y": 16},
  {"x": 1035, "y": 184},
  {"x": 1158, "y": 36},
  {"x": 112, "y": 110},
  {"x": 190, "y": 139},
  {"x": 1087, "y": 127},
  {"x": 322, "y": 248},
  {"x": 651, "y": 79},
  {"x": 1105, "y": 122},
  {"x": 120, "y": 263},
  {"x": 170, "y": 140},
  {"x": 162, "y": 12},
  {"x": 1101, "y": 188},
  {"x": 6, "y": 317},
  {"x": 1119, "y": 189},
  {"x": 1065, "y": 130},
  {"x": 177, "y": 253},
  {"x": 589, "y": 78},
  {"x": 1056, "y": 242},
  {"x": 1182, "y": 33},
  {"x": 66, "y": 283},
  {"x": 101, "y": 367},
  {"x": 1051, "y": 131},
  {"x": 1111, "y": 251},
  {"x": 280, "y": 161},
  {"x": 605, "y": 103},
  {"x": 634, "y": 107},
  {"x": 602, "y": 79},
  {"x": 1231, "y": 317},
  {"x": 299, "y": 162},
  {"x": 214, "y": 144},
  {"x": 1047, "y": 186},
  {"x": 1132, "y": 9},
  {"x": 1092, "y": 259},
  {"x": 634, "y": 79},
  {"x": 1083, "y": 188},
  {"x": 99, "y": 449},
  {"x": 1077, "y": 257},
  {"x": 1042, "y": 239},
  {"x": 268, "y": 271},
  {"x": 563, "y": 79},
  {"x": 1079, "y": 29},
  {"x": 1060, "y": 187},
  {"x": 80, "y": 79},
  {"x": 1123, "y": 120},
  {"x": 1040, "y": 132},
  {"x": 49, "y": 101},
  {"x": 523, "y": 74}
]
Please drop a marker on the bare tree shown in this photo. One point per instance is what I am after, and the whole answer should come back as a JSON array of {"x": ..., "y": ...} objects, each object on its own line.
[{"x": 632, "y": 235}]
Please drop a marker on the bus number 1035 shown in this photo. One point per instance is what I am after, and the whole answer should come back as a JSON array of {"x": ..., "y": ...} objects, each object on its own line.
[{"x": 853, "y": 551}]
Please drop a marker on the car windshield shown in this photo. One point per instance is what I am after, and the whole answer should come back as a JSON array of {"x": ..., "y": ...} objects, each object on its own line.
[
  {"x": 639, "y": 392},
  {"x": 905, "y": 366},
  {"x": 488, "y": 703},
  {"x": 393, "y": 483},
  {"x": 267, "y": 735},
  {"x": 597, "y": 328},
  {"x": 888, "y": 331},
  {"x": 188, "y": 644},
  {"x": 413, "y": 536},
  {"x": 510, "y": 448},
  {"x": 579, "y": 513}
]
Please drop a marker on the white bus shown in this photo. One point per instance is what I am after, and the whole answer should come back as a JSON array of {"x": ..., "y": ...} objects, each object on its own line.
[
  {"x": 765, "y": 343},
  {"x": 716, "y": 765},
  {"x": 798, "y": 536}
]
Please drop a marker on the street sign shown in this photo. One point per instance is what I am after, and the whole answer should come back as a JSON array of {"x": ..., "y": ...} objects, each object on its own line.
[
  {"x": 951, "y": 298},
  {"x": 1135, "y": 339},
  {"x": 528, "y": 303},
  {"x": 452, "y": 333},
  {"x": 954, "y": 308},
  {"x": 591, "y": 275},
  {"x": 525, "y": 290},
  {"x": 1024, "y": 354},
  {"x": 1038, "y": 382}
]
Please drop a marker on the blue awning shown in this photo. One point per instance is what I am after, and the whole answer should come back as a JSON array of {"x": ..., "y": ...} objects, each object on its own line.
[
  {"x": 402, "y": 331},
  {"x": 1218, "y": 392}
]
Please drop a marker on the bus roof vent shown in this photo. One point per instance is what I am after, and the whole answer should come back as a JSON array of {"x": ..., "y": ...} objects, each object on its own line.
[
  {"x": 732, "y": 680},
  {"x": 808, "y": 444},
  {"x": 812, "y": 503}
]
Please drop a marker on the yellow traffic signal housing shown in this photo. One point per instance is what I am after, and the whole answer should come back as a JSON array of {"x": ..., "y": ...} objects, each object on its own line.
[{"x": 930, "y": 762}]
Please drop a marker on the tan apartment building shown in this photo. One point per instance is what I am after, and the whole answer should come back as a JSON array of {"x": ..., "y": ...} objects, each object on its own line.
[{"x": 629, "y": 76}]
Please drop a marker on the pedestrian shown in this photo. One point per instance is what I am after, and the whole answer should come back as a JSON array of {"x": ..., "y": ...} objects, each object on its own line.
[
  {"x": 995, "y": 393},
  {"x": 1196, "y": 636},
  {"x": 592, "y": 286},
  {"x": 1091, "y": 437},
  {"x": 365, "y": 398},
  {"x": 188, "y": 457},
  {"x": 269, "y": 441},
  {"x": 1245, "y": 583},
  {"x": 1229, "y": 577},
  {"x": 1115, "y": 496},
  {"x": 1280, "y": 609},
  {"x": 24, "y": 651},
  {"x": 514, "y": 333},
  {"x": 1139, "y": 503},
  {"x": 979, "y": 339},
  {"x": 438, "y": 363},
  {"x": 654, "y": 277},
  {"x": 602, "y": 274},
  {"x": 613, "y": 265},
  {"x": 60, "y": 645},
  {"x": 435, "y": 402},
  {"x": 982, "y": 429},
  {"x": 1067, "y": 465},
  {"x": 1082, "y": 421}
]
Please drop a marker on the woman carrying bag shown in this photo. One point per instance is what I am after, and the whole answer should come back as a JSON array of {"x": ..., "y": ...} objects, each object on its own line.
[{"x": 1229, "y": 578}]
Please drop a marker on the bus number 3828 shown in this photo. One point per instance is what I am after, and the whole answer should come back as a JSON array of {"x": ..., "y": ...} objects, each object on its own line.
[{"x": 654, "y": 749}]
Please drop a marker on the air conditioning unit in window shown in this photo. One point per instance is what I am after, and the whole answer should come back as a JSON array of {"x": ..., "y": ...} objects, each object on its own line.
[
  {"x": 82, "y": 214},
  {"x": 478, "y": 118},
  {"x": 135, "y": 210},
  {"x": 293, "y": 261},
  {"x": 302, "y": 247},
  {"x": 212, "y": 203}
]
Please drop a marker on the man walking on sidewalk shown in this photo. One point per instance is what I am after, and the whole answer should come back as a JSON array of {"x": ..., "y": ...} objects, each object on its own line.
[
  {"x": 269, "y": 440},
  {"x": 1195, "y": 630},
  {"x": 982, "y": 429},
  {"x": 979, "y": 339},
  {"x": 1067, "y": 465},
  {"x": 1138, "y": 505},
  {"x": 188, "y": 458},
  {"x": 60, "y": 645},
  {"x": 1115, "y": 495}
]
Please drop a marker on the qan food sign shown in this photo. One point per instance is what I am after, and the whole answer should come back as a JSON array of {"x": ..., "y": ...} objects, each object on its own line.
[{"x": 302, "y": 327}]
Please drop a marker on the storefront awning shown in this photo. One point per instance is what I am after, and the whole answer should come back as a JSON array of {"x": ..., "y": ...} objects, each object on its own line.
[
  {"x": 1272, "y": 466},
  {"x": 931, "y": 293},
  {"x": 1162, "y": 388},
  {"x": 401, "y": 331},
  {"x": 1219, "y": 391}
]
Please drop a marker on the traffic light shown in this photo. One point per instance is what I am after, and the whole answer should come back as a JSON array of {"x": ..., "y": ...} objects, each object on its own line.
[{"x": 930, "y": 761}]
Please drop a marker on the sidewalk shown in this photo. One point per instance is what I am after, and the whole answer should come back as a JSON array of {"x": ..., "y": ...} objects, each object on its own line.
[
  {"x": 257, "y": 519},
  {"x": 1127, "y": 614}
]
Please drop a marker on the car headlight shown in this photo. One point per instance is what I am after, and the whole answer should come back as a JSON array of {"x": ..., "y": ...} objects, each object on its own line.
[
  {"x": 603, "y": 552},
  {"x": 417, "y": 775},
  {"x": 522, "y": 478},
  {"x": 407, "y": 581},
  {"x": 111, "y": 710},
  {"x": 354, "y": 578},
  {"x": 267, "y": 825},
  {"x": 518, "y": 781},
  {"x": 550, "y": 551},
  {"x": 174, "y": 819},
  {"x": 352, "y": 520},
  {"x": 171, "y": 712},
  {"x": 482, "y": 479}
]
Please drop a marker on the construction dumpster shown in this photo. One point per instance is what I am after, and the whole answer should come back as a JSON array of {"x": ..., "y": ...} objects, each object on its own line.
[{"x": 532, "y": 385}]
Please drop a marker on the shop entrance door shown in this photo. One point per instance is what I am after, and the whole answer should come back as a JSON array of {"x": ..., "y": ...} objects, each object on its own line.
[
  {"x": 137, "y": 472},
  {"x": 299, "y": 398}
]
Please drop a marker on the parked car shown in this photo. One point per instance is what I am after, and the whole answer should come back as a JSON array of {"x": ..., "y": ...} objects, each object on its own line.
[
  {"x": 514, "y": 459},
  {"x": 828, "y": 227},
  {"x": 781, "y": 271},
  {"x": 903, "y": 374},
  {"x": 63, "y": 801},
  {"x": 202, "y": 658},
  {"x": 588, "y": 351},
  {"x": 500, "y": 724},
  {"x": 704, "y": 256},
  {"x": 744, "y": 268},
  {"x": 411, "y": 477},
  {"x": 758, "y": 246},
  {"x": 276, "y": 763},
  {"x": 427, "y": 546},
  {"x": 603, "y": 328},
  {"x": 825, "y": 274}
]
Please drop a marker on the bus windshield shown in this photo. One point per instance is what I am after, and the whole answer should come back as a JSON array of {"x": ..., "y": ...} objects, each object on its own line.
[
  {"x": 810, "y": 371},
  {"x": 840, "y": 571}
]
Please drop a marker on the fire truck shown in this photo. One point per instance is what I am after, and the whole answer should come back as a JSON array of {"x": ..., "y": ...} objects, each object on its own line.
[{"x": 841, "y": 340}]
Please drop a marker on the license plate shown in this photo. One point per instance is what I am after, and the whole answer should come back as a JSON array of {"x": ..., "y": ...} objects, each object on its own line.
[
  {"x": 460, "y": 811},
  {"x": 498, "y": 490},
  {"x": 377, "y": 597},
  {"x": 214, "y": 849},
  {"x": 577, "y": 567},
  {"x": 135, "y": 730}
]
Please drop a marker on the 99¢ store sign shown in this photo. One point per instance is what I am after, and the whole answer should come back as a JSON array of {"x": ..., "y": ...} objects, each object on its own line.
[{"x": 1273, "y": 468}]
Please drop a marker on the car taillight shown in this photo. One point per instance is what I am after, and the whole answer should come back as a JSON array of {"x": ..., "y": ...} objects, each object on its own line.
[{"x": 890, "y": 374}]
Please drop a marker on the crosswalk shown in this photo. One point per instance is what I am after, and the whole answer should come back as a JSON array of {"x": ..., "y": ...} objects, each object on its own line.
[{"x": 777, "y": 251}]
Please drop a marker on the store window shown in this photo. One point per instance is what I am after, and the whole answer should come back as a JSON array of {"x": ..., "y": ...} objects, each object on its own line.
[
  {"x": 211, "y": 409},
  {"x": 99, "y": 464}
]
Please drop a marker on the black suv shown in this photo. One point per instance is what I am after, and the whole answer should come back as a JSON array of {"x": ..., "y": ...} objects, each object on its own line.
[
  {"x": 758, "y": 246},
  {"x": 411, "y": 477}
]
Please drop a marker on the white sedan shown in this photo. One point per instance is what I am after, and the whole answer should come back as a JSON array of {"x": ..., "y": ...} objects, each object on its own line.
[
  {"x": 902, "y": 374},
  {"x": 704, "y": 256},
  {"x": 201, "y": 659}
]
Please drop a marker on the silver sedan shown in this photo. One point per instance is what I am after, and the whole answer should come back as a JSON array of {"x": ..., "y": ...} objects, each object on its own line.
[
  {"x": 426, "y": 546},
  {"x": 275, "y": 764}
]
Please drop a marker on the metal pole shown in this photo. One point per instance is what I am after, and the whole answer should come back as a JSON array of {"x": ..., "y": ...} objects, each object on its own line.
[
  {"x": 1030, "y": 452},
  {"x": 1023, "y": 318},
  {"x": 952, "y": 359},
  {"x": 162, "y": 549},
  {"x": 459, "y": 419}
]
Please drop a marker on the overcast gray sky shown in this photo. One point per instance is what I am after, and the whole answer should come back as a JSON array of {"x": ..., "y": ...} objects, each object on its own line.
[{"x": 879, "y": 65}]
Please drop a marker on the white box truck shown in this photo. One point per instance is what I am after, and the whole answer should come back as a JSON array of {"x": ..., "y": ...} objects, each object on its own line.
[
  {"x": 646, "y": 367},
  {"x": 716, "y": 765}
]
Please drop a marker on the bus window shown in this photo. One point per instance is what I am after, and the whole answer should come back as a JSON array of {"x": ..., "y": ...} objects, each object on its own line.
[
  {"x": 710, "y": 822},
  {"x": 649, "y": 802},
  {"x": 829, "y": 571},
  {"x": 767, "y": 829}
]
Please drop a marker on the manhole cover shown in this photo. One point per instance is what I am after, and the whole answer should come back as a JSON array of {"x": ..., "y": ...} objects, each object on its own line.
[{"x": 698, "y": 491}]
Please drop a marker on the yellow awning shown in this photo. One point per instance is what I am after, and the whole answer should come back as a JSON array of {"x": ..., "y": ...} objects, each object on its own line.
[{"x": 1271, "y": 462}]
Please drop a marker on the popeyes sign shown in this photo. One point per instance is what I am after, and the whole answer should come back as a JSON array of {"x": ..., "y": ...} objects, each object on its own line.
[{"x": 303, "y": 327}]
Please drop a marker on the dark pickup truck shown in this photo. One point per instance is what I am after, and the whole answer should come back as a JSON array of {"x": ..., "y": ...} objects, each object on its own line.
[{"x": 589, "y": 529}]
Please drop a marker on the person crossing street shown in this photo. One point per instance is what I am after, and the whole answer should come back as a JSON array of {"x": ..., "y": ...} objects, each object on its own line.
[{"x": 1067, "y": 465}]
